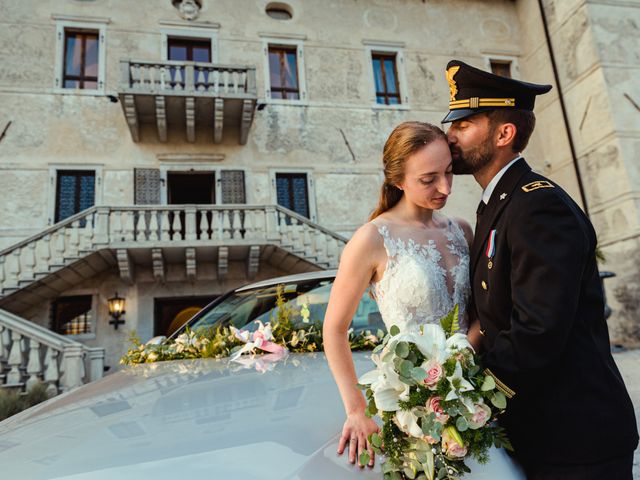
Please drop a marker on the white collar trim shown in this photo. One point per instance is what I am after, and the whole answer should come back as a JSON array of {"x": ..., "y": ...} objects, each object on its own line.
[{"x": 486, "y": 194}]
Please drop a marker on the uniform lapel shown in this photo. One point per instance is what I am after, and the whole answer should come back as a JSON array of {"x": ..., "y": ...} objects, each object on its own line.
[{"x": 507, "y": 184}]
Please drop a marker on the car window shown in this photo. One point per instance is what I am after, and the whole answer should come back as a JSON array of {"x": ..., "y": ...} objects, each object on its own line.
[{"x": 306, "y": 301}]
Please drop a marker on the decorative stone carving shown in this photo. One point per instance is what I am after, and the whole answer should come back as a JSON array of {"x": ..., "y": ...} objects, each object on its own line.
[{"x": 189, "y": 9}]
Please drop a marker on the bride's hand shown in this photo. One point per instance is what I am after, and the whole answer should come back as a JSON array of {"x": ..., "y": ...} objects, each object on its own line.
[{"x": 355, "y": 432}]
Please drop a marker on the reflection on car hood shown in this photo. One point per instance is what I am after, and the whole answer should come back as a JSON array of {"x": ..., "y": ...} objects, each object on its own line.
[{"x": 218, "y": 418}]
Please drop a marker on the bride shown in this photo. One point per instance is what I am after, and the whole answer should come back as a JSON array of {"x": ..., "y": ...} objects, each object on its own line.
[{"x": 416, "y": 261}]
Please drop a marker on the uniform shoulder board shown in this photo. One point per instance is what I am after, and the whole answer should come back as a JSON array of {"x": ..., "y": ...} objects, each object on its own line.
[{"x": 530, "y": 187}]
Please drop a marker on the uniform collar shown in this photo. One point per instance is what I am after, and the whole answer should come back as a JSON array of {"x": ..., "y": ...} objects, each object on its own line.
[{"x": 486, "y": 194}]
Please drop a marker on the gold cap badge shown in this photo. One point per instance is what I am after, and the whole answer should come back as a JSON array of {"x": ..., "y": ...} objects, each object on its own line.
[{"x": 453, "y": 89}]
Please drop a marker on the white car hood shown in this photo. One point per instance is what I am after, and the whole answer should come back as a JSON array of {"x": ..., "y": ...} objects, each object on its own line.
[{"x": 205, "y": 417}]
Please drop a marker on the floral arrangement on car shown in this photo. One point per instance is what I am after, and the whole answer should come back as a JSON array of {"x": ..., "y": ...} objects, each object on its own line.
[
  {"x": 276, "y": 338},
  {"x": 437, "y": 405}
]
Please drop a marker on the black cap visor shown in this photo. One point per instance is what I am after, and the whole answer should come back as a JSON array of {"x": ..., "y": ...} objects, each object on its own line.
[{"x": 460, "y": 113}]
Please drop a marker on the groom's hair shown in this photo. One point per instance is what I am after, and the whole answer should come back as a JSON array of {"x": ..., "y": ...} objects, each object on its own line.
[{"x": 524, "y": 120}]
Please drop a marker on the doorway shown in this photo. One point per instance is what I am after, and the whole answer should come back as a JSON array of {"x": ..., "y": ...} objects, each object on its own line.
[
  {"x": 171, "y": 313},
  {"x": 190, "y": 188}
]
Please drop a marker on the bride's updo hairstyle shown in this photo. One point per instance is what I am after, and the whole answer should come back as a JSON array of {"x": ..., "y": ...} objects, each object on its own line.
[{"x": 405, "y": 140}]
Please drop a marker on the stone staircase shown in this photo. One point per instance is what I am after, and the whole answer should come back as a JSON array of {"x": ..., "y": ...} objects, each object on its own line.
[
  {"x": 116, "y": 228},
  {"x": 30, "y": 354}
]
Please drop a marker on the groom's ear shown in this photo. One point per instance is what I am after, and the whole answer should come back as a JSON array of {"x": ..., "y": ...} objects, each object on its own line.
[{"x": 505, "y": 134}]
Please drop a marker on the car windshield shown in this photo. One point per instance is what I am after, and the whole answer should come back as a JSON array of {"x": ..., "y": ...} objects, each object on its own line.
[{"x": 307, "y": 301}]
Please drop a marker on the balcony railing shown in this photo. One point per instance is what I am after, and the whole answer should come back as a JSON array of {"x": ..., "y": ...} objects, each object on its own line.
[
  {"x": 30, "y": 353},
  {"x": 160, "y": 226},
  {"x": 178, "y": 77},
  {"x": 187, "y": 94}
]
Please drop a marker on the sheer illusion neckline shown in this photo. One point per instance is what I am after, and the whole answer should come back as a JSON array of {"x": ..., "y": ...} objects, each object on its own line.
[{"x": 426, "y": 273}]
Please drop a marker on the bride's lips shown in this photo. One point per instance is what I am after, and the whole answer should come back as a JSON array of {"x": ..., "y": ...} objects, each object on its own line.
[{"x": 440, "y": 199}]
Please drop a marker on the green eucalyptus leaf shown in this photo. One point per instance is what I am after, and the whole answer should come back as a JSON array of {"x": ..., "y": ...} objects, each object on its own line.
[
  {"x": 419, "y": 374},
  {"x": 462, "y": 424},
  {"x": 488, "y": 384},
  {"x": 402, "y": 349},
  {"x": 394, "y": 330},
  {"x": 364, "y": 458},
  {"x": 499, "y": 400}
]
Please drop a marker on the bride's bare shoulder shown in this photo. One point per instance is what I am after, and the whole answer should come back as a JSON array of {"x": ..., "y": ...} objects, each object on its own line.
[{"x": 368, "y": 235}]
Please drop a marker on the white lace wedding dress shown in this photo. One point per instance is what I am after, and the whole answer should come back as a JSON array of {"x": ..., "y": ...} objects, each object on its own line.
[{"x": 426, "y": 275}]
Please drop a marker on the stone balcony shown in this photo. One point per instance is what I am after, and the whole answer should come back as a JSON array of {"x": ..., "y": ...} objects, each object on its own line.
[
  {"x": 42, "y": 267},
  {"x": 188, "y": 96}
]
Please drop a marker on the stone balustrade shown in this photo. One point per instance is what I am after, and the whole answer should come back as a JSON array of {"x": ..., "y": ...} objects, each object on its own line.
[
  {"x": 30, "y": 353},
  {"x": 140, "y": 76},
  {"x": 157, "y": 226}
]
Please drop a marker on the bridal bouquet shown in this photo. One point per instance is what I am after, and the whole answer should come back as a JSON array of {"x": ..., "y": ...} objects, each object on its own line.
[{"x": 437, "y": 405}]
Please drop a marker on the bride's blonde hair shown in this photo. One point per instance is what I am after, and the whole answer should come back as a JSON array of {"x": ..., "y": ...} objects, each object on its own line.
[{"x": 405, "y": 140}]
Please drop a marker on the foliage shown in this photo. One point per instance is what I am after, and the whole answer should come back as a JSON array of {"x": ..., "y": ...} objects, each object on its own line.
[
  {"x": 12, "y": 401},
  {"x": 437, "y": 405},
  {"x": 222, "y": 341}
]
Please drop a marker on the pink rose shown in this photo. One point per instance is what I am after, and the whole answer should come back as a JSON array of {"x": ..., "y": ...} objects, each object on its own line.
[
  {"x": 451, "y": 446},
  {"x": 433, "y": 406},
  {"x": 434, "y": 373},
  {"x": 430, "y": 440},
  {"x": 480, "y": 417}
]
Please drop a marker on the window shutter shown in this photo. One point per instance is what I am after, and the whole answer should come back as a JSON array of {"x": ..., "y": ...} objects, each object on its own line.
[
  {"x": 232, "y": 185},
  {"x": 147, "y": 186}
]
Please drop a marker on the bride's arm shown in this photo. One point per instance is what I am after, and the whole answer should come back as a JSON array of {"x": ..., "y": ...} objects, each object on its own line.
[{"x": 358, "y": 264}]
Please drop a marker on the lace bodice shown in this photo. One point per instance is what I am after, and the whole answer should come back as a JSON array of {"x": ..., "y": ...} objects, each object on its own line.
[{"x": 426, "y": 275}]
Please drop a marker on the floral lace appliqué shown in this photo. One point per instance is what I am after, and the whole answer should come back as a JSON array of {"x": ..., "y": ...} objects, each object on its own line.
[{"x": 414, "y": 288}]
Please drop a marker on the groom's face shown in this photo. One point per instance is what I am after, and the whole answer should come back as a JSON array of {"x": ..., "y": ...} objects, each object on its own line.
[{"x": 471, "y": 144}]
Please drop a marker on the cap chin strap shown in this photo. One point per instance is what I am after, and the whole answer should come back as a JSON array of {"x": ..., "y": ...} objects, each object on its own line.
[{"x": 475, "y": 102}]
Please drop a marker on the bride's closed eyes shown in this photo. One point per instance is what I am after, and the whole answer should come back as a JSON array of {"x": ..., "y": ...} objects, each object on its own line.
[{"x": 431, "y": 180}]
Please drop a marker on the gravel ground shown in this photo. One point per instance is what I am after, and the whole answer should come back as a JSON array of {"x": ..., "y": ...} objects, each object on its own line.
[{"x": 629, "y": 365}]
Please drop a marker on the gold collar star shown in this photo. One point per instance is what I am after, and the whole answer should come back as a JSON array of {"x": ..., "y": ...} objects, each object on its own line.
[{"x": 503, "y": 196}]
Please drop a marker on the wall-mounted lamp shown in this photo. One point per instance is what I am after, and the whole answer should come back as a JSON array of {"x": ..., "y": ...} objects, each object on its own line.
[{"x": 116, "y": 310}]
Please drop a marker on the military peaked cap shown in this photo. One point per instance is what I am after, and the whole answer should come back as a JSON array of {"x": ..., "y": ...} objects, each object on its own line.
[{"x": 473, "y": 91}]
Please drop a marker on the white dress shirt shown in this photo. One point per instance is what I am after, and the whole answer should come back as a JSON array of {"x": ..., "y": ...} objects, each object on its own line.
[{"x": 486, "y": 194}]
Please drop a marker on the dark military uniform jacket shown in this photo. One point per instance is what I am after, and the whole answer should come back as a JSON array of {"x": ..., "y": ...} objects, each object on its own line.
[{"x": 538, "y": 296}]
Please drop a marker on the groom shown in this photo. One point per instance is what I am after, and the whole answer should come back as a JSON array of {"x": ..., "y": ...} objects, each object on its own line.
[{"x": 537, "y": 293}]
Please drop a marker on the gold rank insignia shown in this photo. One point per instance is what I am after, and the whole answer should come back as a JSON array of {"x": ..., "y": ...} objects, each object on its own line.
[
  {"x": 453, "y": 89},
  {"x": 530, "y": 187}
]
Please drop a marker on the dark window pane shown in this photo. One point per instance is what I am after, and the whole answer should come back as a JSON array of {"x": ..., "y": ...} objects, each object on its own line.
[
  {"x": 91, "y": 57},
  {"x": 71, "y": 84},
  {"x": 283, "y": 73},
  {"x": 189, "y": 49},
  {"x": 177, "y": 52},
  {"x": 300, "y": 196},
  {"x": 72, "y": 63},
  {"x": 377, "y": 75},
  {"x": 75, "y": 192},
  {"x": 66, "y": 196},
  {"x": 502, "y": 68},
  {"x": 81, "y": 60},
  {"x": 390, "y": 75},
  {"x": 87, "y": 191},
  {"x": 72, "y": 315},
  {"x": 292, "y": 192},
  {"x": 283, "y": 192},
  {"x": 201, "y": 54},
  {"x": 386, "y": 79},
  {"x": 274, "y": 69},
  {"x": 291, "y": 70}
]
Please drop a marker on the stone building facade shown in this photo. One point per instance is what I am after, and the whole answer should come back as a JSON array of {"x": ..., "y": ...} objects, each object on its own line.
[{"x": 136, "y": 115}]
